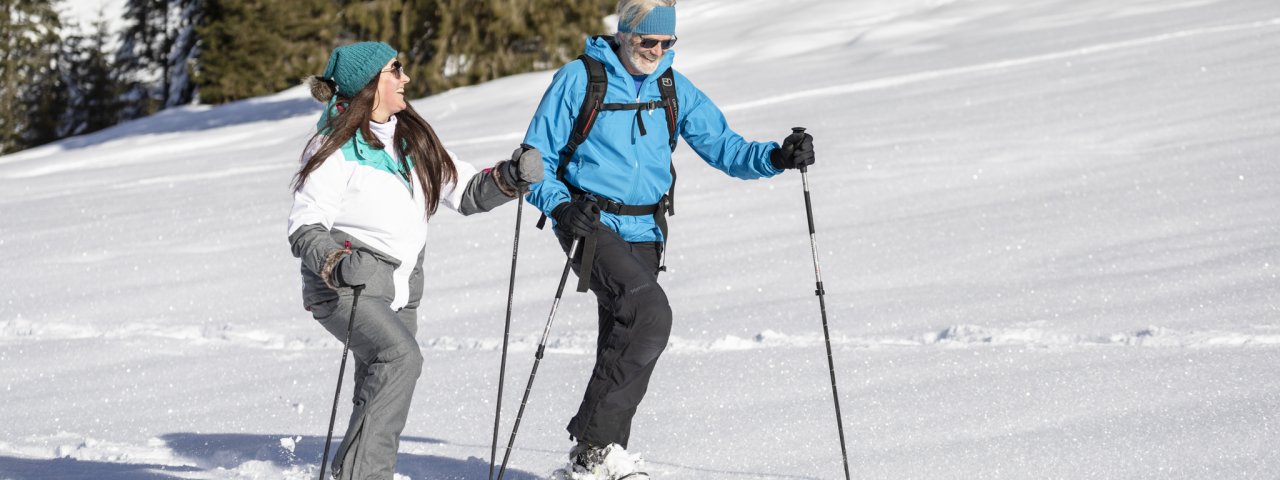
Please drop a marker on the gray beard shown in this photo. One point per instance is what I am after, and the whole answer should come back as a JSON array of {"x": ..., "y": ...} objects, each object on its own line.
[{"x": 634, "y": 60}]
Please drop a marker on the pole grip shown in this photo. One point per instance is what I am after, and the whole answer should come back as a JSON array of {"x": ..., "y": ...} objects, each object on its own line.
[{"x": 800, "y": 130}]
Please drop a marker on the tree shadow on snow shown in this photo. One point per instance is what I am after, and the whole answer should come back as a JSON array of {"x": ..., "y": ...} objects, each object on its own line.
[
  {"x": 229, "y": 451},
  {"x": 72, "y": 469},
  {"x": 188, "y": 119}
]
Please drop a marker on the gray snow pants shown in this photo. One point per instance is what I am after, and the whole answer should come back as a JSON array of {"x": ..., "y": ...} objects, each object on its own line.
[
  {"x": 388, "y": 363},
  {"x": 634, "y": 327}
]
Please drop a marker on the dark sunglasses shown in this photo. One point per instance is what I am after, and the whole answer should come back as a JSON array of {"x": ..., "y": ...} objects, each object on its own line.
[
  {"x": 396, "y": 69},
  {"x": 653, "y": 42}
]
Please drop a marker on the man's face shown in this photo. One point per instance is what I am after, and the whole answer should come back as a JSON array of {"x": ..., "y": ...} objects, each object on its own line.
[{"x": 642, "y": 60}]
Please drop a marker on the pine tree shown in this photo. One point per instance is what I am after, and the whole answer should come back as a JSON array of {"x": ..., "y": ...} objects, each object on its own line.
[
  {"x": 89, "y": 74},
  {"x": 184, "y": 49},
  {"x": 258, "y": 47},
  {"x": 157, "y": 47},
  {"x": 32, "y": 96},
  {"x": 140, "y": 44},
  {"x": 488, "y": 39},
  {"x": 452, "y": 43}
]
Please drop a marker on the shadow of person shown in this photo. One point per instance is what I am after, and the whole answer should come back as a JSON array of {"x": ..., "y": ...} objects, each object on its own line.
[
  {"x": 12, "y": 468},
  {"x": 228, "y": 451}
]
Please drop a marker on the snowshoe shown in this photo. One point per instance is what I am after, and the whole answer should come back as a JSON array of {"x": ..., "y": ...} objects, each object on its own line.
[{"x": 612, "y": 462}]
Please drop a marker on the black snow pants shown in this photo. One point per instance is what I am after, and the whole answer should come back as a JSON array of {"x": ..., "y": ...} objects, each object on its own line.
[{"x": 635, "y": 324}]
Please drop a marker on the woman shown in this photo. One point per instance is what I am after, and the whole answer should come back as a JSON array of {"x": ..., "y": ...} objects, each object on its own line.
[{"x": 370, "y": 179}]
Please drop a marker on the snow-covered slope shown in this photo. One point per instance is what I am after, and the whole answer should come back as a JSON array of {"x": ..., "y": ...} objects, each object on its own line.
[{"x": 1048, "y": 236}]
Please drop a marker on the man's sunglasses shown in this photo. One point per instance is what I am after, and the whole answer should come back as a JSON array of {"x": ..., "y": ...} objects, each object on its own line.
[
  {"x": 653, "y": 42},
  {"x": 396, "y": 69}
]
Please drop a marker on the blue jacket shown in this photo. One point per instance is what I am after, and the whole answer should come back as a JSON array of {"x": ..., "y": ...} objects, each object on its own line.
[{"x": 618, "y": 163}]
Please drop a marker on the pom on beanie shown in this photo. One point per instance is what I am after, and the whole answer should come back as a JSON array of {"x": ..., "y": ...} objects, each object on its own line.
[{"x": 321, "y": 89}]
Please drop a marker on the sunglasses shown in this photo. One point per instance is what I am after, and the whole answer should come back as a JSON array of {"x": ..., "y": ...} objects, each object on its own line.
[
  {"x": 653, "y": 42},
  {"x": 396, "y": 69}
]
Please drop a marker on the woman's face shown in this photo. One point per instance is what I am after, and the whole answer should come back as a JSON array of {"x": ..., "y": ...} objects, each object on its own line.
[{"x": 389, "y": 99}]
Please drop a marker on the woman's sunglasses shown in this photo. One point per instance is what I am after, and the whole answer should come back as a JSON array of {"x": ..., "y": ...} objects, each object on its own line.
[
  {"x": 653, "y": 42},
  {"x": 396, "y": 69}
]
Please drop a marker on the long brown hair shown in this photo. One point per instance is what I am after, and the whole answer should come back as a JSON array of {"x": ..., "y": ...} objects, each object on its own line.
[{"x": 431, "y": 162}]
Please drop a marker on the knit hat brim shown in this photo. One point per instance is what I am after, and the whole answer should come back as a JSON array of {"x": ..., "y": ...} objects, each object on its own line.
[{"x": 659, "y": 21}]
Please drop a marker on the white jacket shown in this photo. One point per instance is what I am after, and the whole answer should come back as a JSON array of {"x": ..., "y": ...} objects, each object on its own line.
[{"x": 373, "y": 205}]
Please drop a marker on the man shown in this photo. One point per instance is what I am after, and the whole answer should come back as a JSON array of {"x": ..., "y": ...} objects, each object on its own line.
[{"x": 614, "y": 191}]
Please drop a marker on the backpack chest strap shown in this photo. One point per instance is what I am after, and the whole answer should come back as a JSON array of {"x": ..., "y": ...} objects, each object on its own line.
[{"x": 649, "y": 105}]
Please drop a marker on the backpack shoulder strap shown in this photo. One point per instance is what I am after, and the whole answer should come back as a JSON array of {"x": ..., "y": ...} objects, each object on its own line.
[
  {"x": 667, "y": 86},
  {"x": 592, "y": 102},
  {"x": 597, "y": 86}
]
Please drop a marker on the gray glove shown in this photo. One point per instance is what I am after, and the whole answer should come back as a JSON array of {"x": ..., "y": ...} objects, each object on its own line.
[
  {"x": 525, "y": 167},
  {"x": 355, "y": 269}
]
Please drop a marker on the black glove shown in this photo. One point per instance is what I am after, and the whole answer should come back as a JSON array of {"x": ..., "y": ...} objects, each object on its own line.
[
  {"x": 796, "y": 151},
  {"x": 525, "y": 167},
  {"x": 578, "y": 218},
  {"x": 355, "y": 269}
]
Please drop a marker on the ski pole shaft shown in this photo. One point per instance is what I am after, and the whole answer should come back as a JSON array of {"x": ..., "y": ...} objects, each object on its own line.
[
  {"x": 537, "y": 358},
  {"x": 342, "y": 368},
  {"x": 506, "y": 335},
  {"x": 822, "y": 303}
]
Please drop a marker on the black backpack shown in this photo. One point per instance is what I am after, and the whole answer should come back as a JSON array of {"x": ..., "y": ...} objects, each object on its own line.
[{"x": 592, "y": 105}]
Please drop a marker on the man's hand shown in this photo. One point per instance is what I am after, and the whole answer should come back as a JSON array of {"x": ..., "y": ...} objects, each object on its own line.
[
  {"x": 796, "y": 151},
  {"x": 578, "y": 218}
]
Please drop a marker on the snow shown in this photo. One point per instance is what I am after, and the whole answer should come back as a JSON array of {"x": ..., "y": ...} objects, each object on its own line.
[
  {"x": 79, "y": 15},
  {"x": 1047, "y": 236}
]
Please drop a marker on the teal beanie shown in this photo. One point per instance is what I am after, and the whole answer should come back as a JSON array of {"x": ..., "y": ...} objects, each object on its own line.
[{"x": 351, "y": 67}]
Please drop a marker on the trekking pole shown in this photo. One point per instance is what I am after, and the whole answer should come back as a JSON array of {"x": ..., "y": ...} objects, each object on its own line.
[
  {"x": 506, "y": 334},
  {"x": 822, "y": 302},
  {"x": 537, "y": 357},
  {"x": 346, "y": 345}
]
